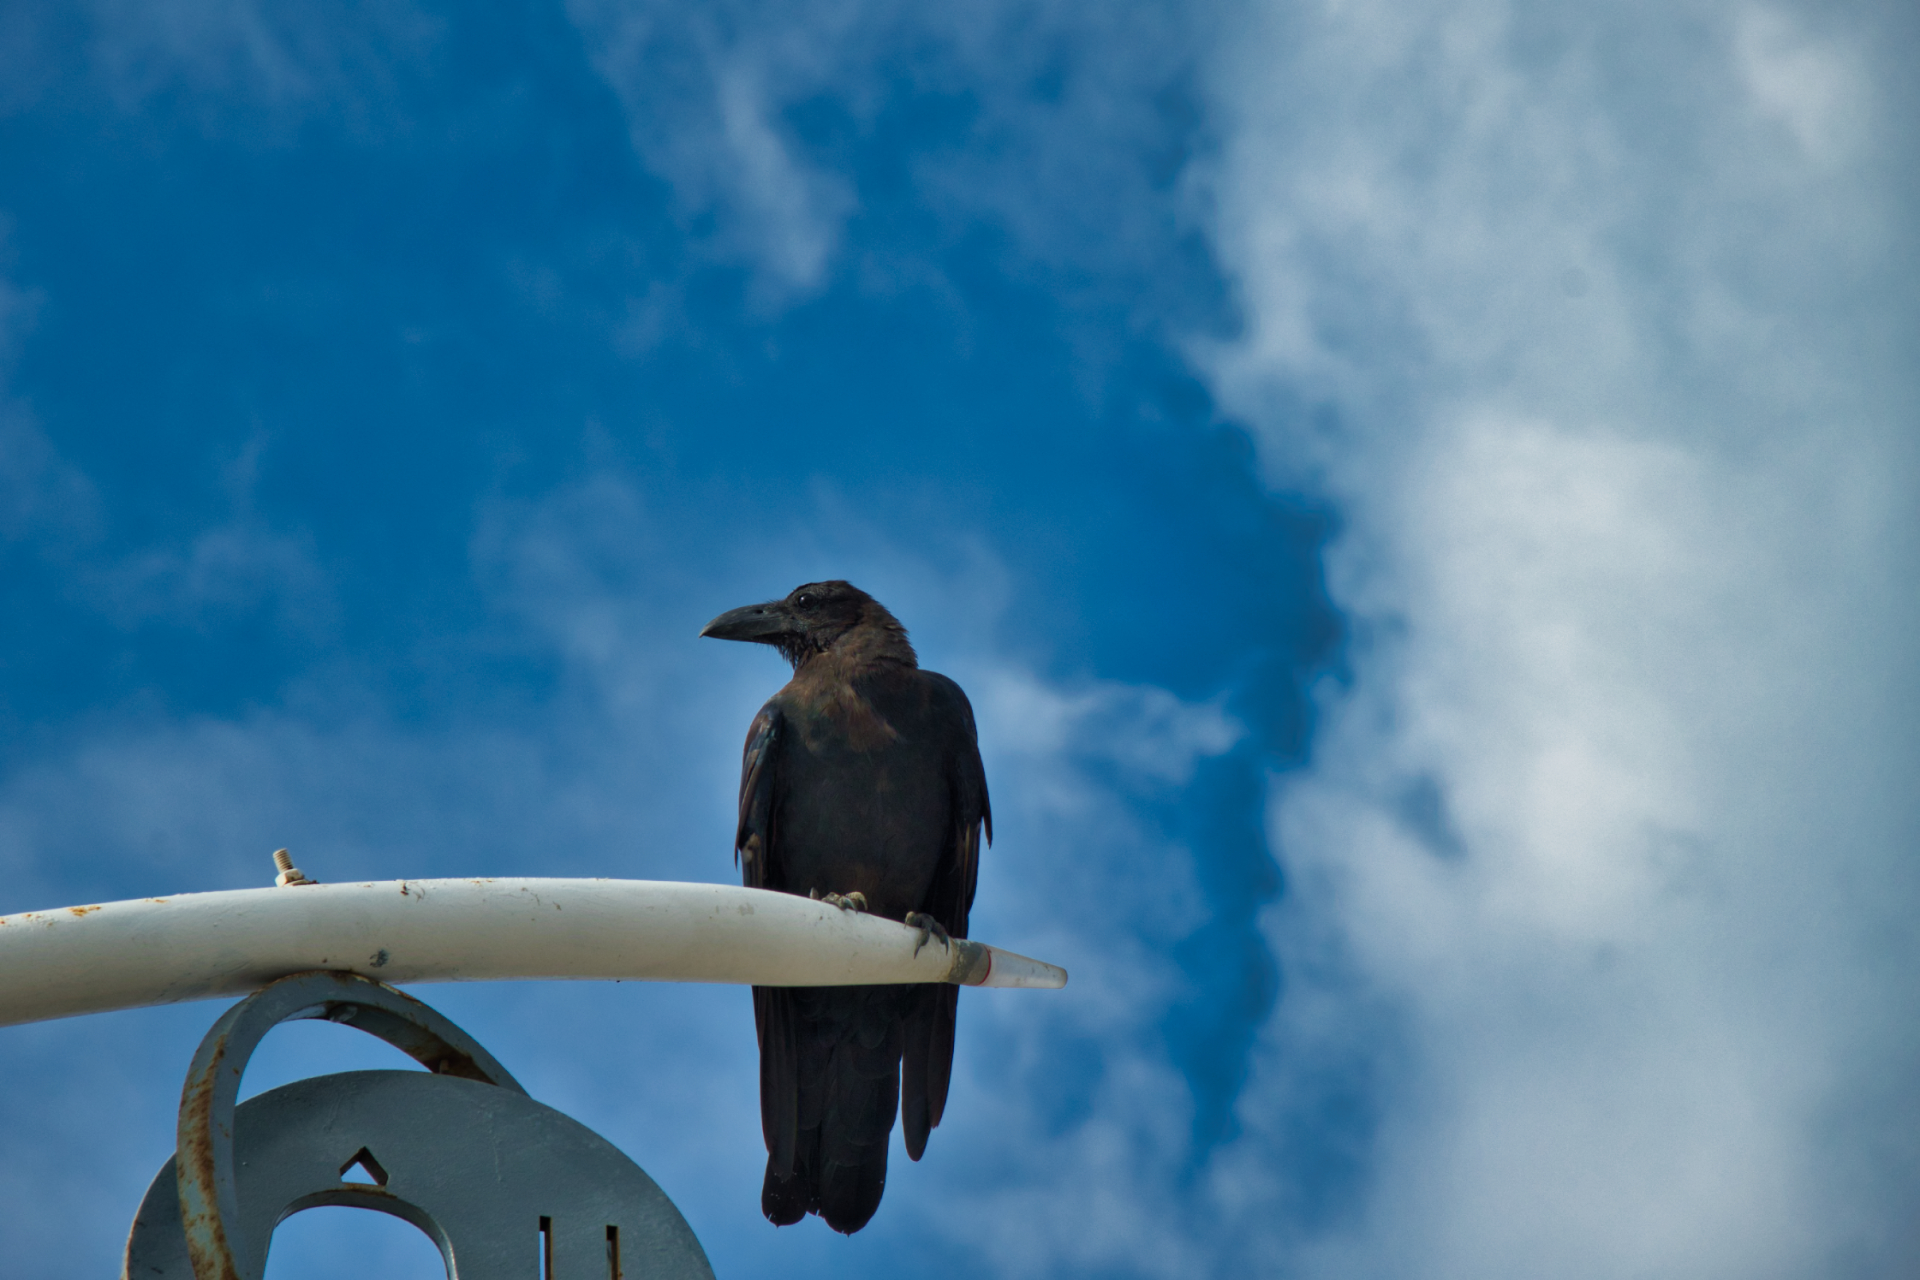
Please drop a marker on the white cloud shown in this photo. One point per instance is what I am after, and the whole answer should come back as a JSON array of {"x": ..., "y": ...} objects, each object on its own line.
[
  {"x": 43, "y": 498},
  {"x": 1153, "y": 736},
  {"x": 1814, "y": 87},
  {"x": 235, "y": 67},
  {"x": 54, "y": 508},
  {"x": 208, "y": 43},
  {"x": 1584, "y": 320},
  {"x": 233, "y": 567},
  {"x": 705, "y": 93},
  {"x": 1060, "y": 122}
]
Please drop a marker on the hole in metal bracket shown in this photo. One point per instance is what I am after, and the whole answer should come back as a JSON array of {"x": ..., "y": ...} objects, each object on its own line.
[{"x": 363, "y": 1161}]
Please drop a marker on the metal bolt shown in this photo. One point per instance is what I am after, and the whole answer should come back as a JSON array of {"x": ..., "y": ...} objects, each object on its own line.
[{"x": 289, "y": 874}]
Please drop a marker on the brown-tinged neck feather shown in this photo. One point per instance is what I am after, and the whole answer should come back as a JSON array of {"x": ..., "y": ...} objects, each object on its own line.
[
  {"x": 824, "y": 683},
  {"x": 877, "y": 638}
]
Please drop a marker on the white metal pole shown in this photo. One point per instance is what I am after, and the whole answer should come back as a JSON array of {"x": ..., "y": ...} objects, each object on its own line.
[{"x": 121, "y": 955}]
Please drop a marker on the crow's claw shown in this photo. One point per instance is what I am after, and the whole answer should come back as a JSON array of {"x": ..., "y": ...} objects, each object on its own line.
[
  {"x": 855, "y": 901},
  {"x": 929, "y": 929}
]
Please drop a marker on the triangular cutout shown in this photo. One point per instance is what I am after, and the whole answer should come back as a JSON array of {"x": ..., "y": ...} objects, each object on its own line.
[{"x": 365, "y": 1165}]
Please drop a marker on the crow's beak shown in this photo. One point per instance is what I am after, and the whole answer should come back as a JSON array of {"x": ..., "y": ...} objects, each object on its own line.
[{"x": 762, "y": 622}]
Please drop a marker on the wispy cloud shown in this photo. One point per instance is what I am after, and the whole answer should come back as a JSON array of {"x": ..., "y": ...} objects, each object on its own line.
[
  {"x": 1059, "y": 126},
  {"x": 241, "y": 565},
  {"x": 53, "y": 510},
  {"x": 706, "y": 94},
  {"x": 252, "y": 51},
  {"x": 1585, "y": 321},
  {"x": 235, "y": 68},
  {"x": 43, "y": 498}
]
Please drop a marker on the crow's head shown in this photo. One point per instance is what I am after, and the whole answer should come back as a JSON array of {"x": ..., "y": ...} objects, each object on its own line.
[{"x": 813, "y": 619}]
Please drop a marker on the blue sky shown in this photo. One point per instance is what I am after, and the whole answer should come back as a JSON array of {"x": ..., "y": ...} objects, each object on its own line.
[{"x": 1422, "y": 497}]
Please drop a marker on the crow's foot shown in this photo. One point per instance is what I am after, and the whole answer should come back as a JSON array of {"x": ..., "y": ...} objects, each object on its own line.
[
  {"x": 929, "y": 929},
  {"x": 855, "y": 901}
]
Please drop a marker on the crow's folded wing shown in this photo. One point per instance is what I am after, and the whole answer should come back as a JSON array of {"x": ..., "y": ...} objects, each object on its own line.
[
  {"x": 756, "y": 846},
  {"x": 928, "y": 1064},
  {"x": 753, "y": 839}
]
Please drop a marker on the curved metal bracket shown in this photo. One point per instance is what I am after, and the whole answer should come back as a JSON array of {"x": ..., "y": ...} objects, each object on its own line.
[
  {"x": 506, "y": 1188},
  {"x": 463, "y": 1154},
  {"x": 208, "y": 1201}
]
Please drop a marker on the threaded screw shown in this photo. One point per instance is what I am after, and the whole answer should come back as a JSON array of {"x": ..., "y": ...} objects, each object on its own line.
[{"x": 289, "y": 874}]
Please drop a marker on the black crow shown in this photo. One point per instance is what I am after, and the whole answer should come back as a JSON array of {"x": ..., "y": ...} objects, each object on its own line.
[{"x": 861, "y": 785}]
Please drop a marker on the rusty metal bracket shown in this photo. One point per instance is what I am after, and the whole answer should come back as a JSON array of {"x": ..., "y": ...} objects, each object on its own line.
[
  {"x": 205, "y": 1153},
  {"x": 462, "y": 1153}
]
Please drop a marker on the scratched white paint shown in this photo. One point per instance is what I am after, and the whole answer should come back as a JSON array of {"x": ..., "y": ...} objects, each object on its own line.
[{"x": 120, "y": 955}]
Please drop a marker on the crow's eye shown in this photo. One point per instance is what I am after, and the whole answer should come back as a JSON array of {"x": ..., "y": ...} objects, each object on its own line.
[{"x": 804, "y": 601}]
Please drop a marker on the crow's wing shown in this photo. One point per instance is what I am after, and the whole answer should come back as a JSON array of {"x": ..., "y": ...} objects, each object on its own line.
[
  {"x": 756, "y": 846},
  {"x": 928, "y": 1064},
  {"x": 950, "y": 897},
  {"x": 753, "y": 839}
]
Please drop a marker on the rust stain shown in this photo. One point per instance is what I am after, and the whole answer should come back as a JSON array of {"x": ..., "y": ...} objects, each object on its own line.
[
  {"x": 199, "y": 1207},
  {"x": 81, "y": 911}
]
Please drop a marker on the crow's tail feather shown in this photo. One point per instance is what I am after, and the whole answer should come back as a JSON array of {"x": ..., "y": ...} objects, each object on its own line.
[{"x": 847, "y": 1045}]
